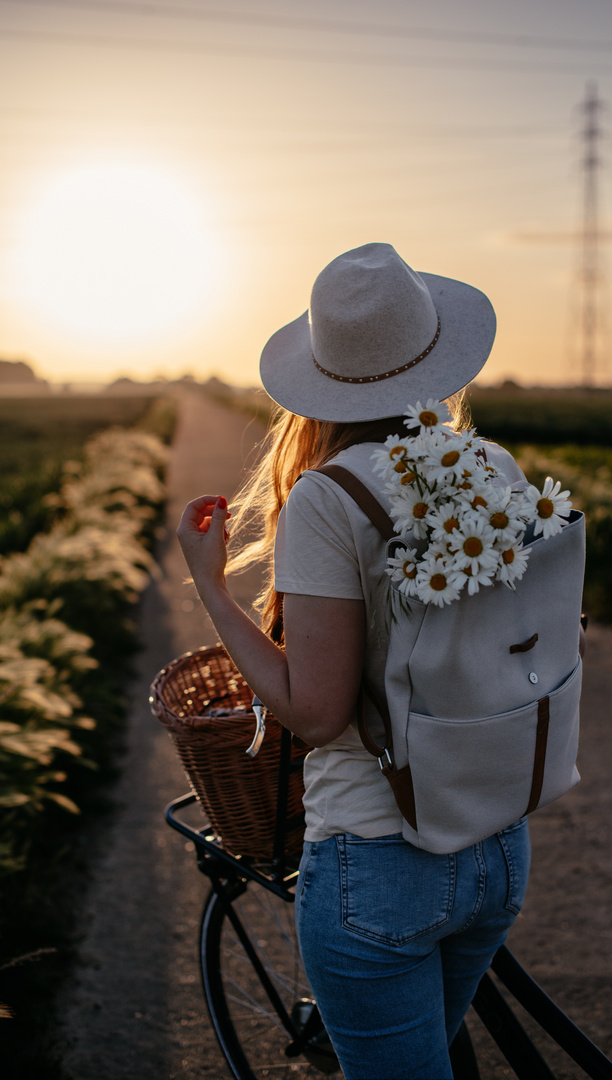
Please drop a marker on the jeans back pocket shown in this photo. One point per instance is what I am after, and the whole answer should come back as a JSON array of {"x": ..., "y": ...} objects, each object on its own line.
[{"x": 391, "y": 891}]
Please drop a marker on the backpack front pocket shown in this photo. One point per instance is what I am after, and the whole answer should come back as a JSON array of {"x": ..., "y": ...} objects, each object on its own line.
[{"x": 473, "y": 778}]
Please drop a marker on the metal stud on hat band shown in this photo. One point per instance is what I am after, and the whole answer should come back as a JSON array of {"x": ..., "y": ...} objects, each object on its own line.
[{"x": 385, "y": 374}]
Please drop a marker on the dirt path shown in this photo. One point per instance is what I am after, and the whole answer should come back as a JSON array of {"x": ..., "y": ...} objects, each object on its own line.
[
  {"x": 134, "y": 1008},
  {"x": 564, "y": 934}
]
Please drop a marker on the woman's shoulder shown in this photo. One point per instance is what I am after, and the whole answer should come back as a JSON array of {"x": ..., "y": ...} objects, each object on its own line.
[{"x": 316, "y": 500}]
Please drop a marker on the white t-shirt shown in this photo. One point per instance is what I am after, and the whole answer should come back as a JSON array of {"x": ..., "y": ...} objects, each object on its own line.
[{"x": 326, "y": 546}]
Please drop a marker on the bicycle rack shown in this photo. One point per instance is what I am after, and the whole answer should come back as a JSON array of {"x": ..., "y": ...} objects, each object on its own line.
[{"x": 213, "y": 859}]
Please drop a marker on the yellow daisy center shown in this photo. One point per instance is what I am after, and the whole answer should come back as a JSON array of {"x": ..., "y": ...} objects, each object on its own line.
[
  {"x": 409, "y": 569},
  {"x": 545, "y": 508},
  {"x": 508, "y": 556},
  {"x": 420, "y": 510},
  {"x": 478, "y": 501},
  {"x": 450, "y": 458},
  {"x": 438, "y": 582},
  {"x": 408, "y": 477},
  {"x": 428, "y": 418},
  {"x": 399, "y": 466},
  {"x": 473, "y": 547},
  {"x": 500, "y": 520},
  {"x": 450, "y": 524}
]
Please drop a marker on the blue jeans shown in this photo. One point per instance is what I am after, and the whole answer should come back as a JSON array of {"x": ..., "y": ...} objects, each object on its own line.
[{"x": 395, "y": 941}]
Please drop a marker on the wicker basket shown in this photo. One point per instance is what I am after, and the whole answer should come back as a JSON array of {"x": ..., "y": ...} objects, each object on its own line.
[{"x": 237, "y": 793}]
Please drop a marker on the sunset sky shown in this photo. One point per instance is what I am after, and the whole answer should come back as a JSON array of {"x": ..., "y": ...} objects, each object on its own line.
[{"x": 174, "y": 175}]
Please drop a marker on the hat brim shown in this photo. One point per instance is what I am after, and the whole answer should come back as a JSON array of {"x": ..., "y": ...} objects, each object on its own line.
[{"x": 467, "y": 332}]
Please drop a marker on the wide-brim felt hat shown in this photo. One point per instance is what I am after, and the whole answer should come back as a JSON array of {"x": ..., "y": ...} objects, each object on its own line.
[{"x": 377, "y": 337}]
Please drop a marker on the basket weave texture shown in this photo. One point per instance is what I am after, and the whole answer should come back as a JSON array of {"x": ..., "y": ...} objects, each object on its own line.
[{"x": 237, "y": 793}]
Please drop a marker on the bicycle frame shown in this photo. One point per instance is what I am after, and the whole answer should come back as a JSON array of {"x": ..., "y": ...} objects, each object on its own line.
[{"x": 229, "y": 875}]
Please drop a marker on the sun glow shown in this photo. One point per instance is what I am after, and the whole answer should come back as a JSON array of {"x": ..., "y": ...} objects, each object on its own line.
[{"x": 117, "y": 253}]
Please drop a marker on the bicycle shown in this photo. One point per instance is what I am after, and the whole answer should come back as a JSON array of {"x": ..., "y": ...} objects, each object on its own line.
[
  {"x": 257, "y": 994},
  {"x": 260, "y": 1004}
]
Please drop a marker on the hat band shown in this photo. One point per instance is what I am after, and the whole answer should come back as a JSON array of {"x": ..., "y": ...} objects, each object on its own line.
[{"x": 385, "y": 374}]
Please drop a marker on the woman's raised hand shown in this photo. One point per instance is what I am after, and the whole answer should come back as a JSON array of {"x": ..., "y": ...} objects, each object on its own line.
[{"x": 203, "y": 535}]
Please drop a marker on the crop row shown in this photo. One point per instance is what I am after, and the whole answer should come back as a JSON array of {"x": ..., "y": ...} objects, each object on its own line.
[
  {"x": 586, "y": 471},
  {"x": 66, "y": 634}
]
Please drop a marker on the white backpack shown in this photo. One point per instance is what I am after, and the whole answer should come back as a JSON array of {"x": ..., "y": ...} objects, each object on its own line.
[{"x": 482, "y": 696}]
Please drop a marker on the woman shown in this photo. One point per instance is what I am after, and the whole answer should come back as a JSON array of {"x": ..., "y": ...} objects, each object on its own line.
[{"x": 394, "y": 939}]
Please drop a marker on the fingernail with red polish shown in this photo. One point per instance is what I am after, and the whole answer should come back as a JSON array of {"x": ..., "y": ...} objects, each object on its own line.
[{"x": 222, "y": 503}]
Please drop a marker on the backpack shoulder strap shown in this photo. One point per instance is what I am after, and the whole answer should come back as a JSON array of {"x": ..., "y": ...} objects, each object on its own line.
[
  {"x": 362, "y": 496},
  {"x": 400, "y": 780}
]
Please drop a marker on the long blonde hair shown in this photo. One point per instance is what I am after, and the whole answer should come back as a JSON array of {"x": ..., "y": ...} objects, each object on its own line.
[{"x": 292, "y": 445}]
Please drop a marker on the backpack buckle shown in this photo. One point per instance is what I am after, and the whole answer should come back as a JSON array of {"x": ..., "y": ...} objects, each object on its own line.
[{"x": 381, "y": 760}]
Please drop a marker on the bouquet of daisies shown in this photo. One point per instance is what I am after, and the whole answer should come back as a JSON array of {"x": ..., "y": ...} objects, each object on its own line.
[{"x": 467, "y": 524}]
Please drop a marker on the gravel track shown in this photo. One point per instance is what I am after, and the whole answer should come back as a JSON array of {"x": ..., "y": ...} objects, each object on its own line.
[{"x": 133, "y": 1008}]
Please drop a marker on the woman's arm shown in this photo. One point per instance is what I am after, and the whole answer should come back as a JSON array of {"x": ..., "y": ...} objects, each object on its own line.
[{"x": 312, "y": 686}]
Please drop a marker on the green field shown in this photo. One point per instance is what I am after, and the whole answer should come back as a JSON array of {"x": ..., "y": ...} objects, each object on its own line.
[
  {"x": 38, "y": 435},
  {"x": 566, "y": 434},
  {"x": 542, "y": 416}
]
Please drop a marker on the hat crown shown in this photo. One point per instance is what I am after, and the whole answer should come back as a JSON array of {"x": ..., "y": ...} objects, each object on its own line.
[{"x": 369, "y": 312}]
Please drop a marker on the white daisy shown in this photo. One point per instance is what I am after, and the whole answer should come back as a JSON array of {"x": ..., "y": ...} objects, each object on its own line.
[
  {"x": 473, "y": 545},
  {"x": 402, "y": 569},
  {"x": 474, "y": 579},
  {"x": 477, "y": 497},
  {"x": 386, "y": 457},
  {"x": 463, "y": 442},
  {"x": 502, "y": 511},
  {"x": 444, "y": 519},
  {"x": 443, "y": 462},
  {"x": 513, "y": 563},
  {"x": 437, "y": 583},
  {"x": 409, "y": 474},
  {"x": 431, "y": 415},
  {"x": 548, "y": 508},
  {"x": 409, "y": 510}
]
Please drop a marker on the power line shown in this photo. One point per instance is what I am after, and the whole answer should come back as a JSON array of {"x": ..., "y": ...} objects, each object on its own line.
[
  {"x": 348, "y": 132},
  {"x": 44, "y": 37},
  {"x": 327, "y": 25}
]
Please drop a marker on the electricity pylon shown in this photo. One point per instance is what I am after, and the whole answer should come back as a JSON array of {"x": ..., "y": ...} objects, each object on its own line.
[{"x": 591, "y": 274}]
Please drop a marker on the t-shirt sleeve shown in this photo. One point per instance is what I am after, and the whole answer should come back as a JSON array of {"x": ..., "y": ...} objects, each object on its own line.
[{"x": 314, "y": 552}]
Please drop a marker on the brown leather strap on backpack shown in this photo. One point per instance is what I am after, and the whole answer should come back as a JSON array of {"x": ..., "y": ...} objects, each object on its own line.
[
  {"x": 399, "y": 779},
  {"x": 540, "y": 754},
  {"x": 363, "y": 497}
]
